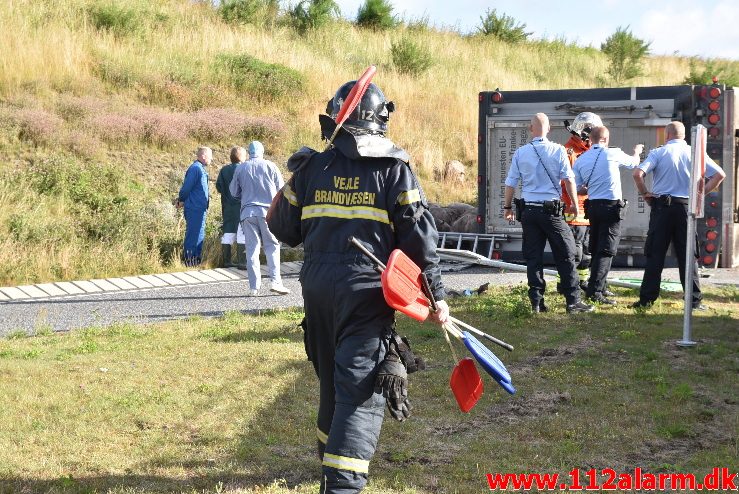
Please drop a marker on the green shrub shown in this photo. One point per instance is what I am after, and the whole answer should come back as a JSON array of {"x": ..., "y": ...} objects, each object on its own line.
[
  {"x": 703, "y": 71},
  {"x": 625, "y": 53},
  {"x": 118, "y": 19},
  {"x": 266, "y": 81},
  {"x": 376, "y": 14},
  {"x": 502, "y": 26},
  {"x": 312, "y": 14},
  {"x": 258, "y": 12},
  {"x": 97, "y": 187},
  {"x": 410, "y": 57}
]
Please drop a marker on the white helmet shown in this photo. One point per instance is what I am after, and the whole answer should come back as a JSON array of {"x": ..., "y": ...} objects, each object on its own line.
[{"x": 584, "y": 123}]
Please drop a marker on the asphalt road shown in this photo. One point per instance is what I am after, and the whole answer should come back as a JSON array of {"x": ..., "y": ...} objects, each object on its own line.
[{"x": 210, "y": 300}]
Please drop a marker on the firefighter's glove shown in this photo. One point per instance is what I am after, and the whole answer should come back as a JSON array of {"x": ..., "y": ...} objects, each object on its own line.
[
  {"x": 392, "y": 382},
  {"x": 412, "y": 362}
]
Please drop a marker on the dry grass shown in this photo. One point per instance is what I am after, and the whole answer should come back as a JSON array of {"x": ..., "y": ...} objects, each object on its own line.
[{"x": 171, "y": 62}]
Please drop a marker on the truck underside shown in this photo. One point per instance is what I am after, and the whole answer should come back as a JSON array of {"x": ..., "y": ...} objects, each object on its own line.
[{"x": 633, "y": 115}]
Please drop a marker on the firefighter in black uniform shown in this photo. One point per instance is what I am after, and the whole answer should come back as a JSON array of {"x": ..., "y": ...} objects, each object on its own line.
[{"x": 363, "y": 187}]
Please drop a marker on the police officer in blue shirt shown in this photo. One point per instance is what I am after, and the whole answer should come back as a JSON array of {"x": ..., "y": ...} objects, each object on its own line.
[
  {"x": 597, "y": 174},
  {"x": 540, "y": 165},
  {"x": 194, "y": 197},
  {"x": 670, "y": 166}
]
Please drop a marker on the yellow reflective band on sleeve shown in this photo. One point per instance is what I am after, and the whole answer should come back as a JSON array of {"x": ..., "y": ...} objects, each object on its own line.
[
  {"x": 321, "y": 436},
  {"x": 345, "y": 463},
  {"x": 290, "y": 195},
  {"x": 409, "y": 197},
  {"x": 345, "y": 212}
]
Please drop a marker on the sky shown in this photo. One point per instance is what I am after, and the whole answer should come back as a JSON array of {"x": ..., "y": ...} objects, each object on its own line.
[{"x": 688, "y": 28}]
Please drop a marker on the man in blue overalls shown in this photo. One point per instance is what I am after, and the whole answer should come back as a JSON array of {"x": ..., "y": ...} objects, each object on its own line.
[
  {"x": 194, "y": 197},
  {"x": 363, "y": 187}
]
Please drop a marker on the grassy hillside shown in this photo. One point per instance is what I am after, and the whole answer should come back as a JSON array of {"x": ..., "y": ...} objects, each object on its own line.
[{"x": 125, "y": 90}]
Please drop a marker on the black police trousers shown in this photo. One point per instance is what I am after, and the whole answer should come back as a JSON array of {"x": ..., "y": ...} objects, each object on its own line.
[
  {"x": 348, "y": 327},
  {"x": 605, "y": 233},
  {"x": 581, "y": 234},
  {"x": 667, "y": 223},
  {"x": 538, "y": 228}
]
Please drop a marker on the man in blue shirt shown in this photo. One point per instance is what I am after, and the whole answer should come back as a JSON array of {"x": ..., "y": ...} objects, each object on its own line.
[
  {"x": 597, "y": 174},
  {"x": 670, "y": 166},
  {"x": 194, "y": 197},
  {"x": 256, "y": 182},
  {"x": 540, "y": 165}
]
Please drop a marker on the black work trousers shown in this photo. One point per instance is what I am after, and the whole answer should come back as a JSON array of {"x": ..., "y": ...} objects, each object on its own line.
[
  {"x": 605, "y": 233},
  {"x": 538, "y": 228},
  {"x": 667, "y": 224},
  {"x": 347, "y": 333},
  {"x": 581, "y": 234}
]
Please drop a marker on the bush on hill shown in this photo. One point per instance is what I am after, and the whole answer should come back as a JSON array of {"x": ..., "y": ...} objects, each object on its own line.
[
  {"x": 410, "y": 57},
  {"x": 265, "y": 81},
  {"x": 703, "y": 72},
  {"x": 626, "y": 54},
  {"x": 121, "y": 20},
  {"x": 376, "y": 14},
  {"x": 257, "y": 12},
  {"x": 503, "y": 27},
  {"x": 312, "y": 14}
]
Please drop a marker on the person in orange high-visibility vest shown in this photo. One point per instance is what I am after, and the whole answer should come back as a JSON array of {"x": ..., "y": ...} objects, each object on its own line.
[{"x": 577, "y": 144}]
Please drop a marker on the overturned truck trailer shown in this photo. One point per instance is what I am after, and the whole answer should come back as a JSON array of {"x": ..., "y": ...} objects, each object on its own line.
[{"x": 633, "y": 115}]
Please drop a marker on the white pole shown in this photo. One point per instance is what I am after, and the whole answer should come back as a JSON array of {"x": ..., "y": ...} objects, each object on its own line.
[
  {"x": 695, "y": 209},
  {"x": 688, "y": 289}
]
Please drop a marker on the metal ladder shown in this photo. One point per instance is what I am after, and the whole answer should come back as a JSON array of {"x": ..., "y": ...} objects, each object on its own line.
[{"x": 479, "y": 243}]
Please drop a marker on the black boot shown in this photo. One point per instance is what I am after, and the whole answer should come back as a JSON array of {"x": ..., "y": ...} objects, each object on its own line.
[
  {"x": 241, "y": 257},
  {"x": 226, "y": 254}
]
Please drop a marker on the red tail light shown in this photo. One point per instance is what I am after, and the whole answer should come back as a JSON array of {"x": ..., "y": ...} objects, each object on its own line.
[
  {"x": 479, "y": 219},
  {"x": 708, "y": 260},
  {"x": 711, "y": 235},
  {"x": 710, "y": 247},
  {"x": 714, "y": 118},
  {"x": 480, "y": 97},
  {"x": 711, "y": 222},
  {"x": 497, "y": 97},
  {"x": 714, "y": 105},
  {"x": 714, "y": 92},
  {"x": 714, "y": 132},
  {"x": 497, "y": 255}
]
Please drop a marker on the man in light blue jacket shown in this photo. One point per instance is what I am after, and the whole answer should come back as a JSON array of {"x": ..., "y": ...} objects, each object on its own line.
[
  {"x": 194, "y": 197},
  {"x": 255, "y": 183}
]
